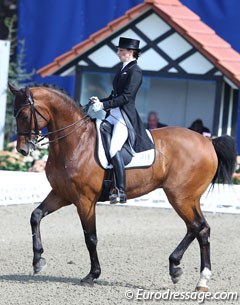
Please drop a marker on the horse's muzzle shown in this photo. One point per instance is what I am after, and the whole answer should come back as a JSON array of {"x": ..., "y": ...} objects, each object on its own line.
[
  {"x": 23, "y": 149},
  {"x": 23, "y": 152}
]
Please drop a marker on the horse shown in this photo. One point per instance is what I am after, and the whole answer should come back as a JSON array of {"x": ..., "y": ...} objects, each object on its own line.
[{"x": 185, "y": 164}]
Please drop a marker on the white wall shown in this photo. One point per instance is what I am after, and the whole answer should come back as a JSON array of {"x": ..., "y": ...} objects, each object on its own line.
[{"x": 4, "y": 64}]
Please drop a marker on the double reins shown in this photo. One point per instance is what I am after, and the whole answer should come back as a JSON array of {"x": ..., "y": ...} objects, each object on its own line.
[
  {"x": 39, "y": 137},
  {"x": 33, "y": 119},
  {"x": 45, "y": 135}
]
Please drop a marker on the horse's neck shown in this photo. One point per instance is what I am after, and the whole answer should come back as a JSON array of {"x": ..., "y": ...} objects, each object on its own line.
[
  {"x": 70, "y": 130},
  {"x": 76, "y": 146}
]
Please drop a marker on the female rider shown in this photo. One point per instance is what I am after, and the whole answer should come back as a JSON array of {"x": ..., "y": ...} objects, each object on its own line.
[{"x": 122, "y": 102}]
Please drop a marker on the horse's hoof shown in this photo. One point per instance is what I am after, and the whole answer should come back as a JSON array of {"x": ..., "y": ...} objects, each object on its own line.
[
  {"x": 175, "y": 276},
  {"x": 202, "y": 289},
  {"x": 88, "y": 282},
  {"x": 39, "y": 266}
]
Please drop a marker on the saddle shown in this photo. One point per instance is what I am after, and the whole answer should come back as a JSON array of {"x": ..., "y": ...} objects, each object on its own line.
[
  {"x": 106, "y": 130},
  {"x": 131, "y": 159}
]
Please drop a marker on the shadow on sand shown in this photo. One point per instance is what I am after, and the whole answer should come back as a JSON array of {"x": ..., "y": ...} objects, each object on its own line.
[{"x": 25, "y": 279}]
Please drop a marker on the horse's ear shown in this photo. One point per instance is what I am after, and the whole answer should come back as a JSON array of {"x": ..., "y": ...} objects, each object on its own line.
[
  {"x": 27, "y": 91},
  {"x": 13, "y": 89}
]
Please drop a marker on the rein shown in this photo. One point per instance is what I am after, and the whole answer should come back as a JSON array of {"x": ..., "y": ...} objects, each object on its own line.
[
  {"x": 36, "y": 132},
  {"x": 43, "y": 136}
]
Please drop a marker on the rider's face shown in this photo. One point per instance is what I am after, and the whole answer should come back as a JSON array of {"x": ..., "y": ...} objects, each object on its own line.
[{"x": 125, "y": 55}]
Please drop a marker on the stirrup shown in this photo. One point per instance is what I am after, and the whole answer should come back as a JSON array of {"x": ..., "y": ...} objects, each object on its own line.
[{"x": 120, "y": 197}]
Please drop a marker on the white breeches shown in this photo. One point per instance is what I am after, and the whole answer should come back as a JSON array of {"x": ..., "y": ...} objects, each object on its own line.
[{"x": 120, "y": 131}]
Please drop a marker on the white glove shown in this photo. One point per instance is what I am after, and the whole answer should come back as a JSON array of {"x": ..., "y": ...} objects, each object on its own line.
[
  {"x": 94, "y": 99},
  {"x": 97, "y": 105}
]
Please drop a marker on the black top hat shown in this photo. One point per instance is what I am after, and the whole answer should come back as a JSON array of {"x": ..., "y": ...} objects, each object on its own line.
[{"x": 128, "y": 43}]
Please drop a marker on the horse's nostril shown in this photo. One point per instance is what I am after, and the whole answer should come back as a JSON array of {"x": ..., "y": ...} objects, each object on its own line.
[{"x": 23, "y": 152}]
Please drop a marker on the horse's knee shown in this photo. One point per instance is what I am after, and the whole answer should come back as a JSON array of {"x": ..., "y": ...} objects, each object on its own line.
[
  {"x": 91, "y": 240},
  {"x": 36, "y": 217}
]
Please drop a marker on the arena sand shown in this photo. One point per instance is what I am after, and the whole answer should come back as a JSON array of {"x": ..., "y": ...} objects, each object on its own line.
[{"x": 134, "y": 244}]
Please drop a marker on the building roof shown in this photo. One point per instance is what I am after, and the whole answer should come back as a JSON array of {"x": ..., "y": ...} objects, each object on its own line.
[{"x": 182, "y": 20}]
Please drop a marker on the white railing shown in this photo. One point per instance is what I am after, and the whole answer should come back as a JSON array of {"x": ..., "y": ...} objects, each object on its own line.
[{"x": 24, "y": 188}]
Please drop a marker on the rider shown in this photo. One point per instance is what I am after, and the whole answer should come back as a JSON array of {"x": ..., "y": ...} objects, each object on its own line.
[{"x": 121, "y": 102}]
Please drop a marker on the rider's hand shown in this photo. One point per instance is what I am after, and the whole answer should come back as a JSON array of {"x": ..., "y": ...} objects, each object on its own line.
[
  {"x": 97, "y": 105},
  {"x": 94, "y": 99}
]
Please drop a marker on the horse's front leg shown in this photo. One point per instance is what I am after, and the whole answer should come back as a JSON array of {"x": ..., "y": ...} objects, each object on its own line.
[
  {"x": 86, "y": 211},
  {"x": 51, "y": 203}
]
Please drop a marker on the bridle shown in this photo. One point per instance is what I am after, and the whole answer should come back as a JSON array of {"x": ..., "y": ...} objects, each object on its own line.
[
  {"x": 33, "y": 117},
  {"x": 34, "y": 134}
]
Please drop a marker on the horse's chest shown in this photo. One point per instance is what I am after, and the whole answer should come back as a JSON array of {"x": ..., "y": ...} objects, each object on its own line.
[{"x": 60, "y": 177}]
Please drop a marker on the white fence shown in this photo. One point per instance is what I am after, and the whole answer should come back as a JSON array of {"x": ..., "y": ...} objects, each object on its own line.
[{"x": 23, "y": 188}]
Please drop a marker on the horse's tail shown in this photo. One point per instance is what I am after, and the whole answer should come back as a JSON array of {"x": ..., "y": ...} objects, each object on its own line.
[{"x": 225, "y": 148}]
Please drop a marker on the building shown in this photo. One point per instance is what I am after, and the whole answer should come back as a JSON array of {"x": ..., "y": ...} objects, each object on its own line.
[{"x": 189, "y": 71}]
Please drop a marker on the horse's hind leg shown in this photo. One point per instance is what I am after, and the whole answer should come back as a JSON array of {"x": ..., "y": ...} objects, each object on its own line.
[
  {"x": 197, "y": 227},
  {"x": 49, "y": 205},
  {"x": 86, "y": 211},
  {"x": 203, "y": 240},
  {"x": 175, "y": 270}
]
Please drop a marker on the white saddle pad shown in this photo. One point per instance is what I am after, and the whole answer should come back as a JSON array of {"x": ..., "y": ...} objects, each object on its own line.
[{"x": 142, "y": 159}]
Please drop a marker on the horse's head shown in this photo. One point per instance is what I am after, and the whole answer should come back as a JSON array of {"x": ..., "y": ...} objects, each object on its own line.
[{"x": 29, "y": 119}]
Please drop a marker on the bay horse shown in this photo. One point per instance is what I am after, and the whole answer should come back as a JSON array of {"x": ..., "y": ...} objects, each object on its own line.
[{"x": 186, "y": 163}]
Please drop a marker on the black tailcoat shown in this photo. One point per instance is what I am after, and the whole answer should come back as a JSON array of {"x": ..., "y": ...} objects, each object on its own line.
[{"x": 125, "y": 87}]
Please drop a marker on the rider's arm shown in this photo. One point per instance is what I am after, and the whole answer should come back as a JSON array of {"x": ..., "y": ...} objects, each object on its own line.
[{"x": 132, "y": 84}]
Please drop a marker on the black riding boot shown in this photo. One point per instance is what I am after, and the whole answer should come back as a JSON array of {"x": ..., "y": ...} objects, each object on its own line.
[{"x": 119, "y": 171}]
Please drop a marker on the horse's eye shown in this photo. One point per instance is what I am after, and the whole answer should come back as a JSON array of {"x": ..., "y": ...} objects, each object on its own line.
[{"x": 24, "y": 116}]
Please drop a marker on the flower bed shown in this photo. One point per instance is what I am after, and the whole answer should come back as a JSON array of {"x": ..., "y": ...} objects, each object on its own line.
[
  {"x": 11, "y": 160},
  {"x": 236, "y": 175}
]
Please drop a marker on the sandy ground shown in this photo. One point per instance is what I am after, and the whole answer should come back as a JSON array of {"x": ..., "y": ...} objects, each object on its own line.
[{"x": 134, "y": 245}]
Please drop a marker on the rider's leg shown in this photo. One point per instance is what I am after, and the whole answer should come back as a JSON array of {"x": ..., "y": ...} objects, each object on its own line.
[
  {"x": 119, "y": 171},
  {"x": 119, "y": 137}
]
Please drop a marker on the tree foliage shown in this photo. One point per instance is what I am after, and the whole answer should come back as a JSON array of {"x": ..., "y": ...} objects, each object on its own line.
[{"x": 17, "y": 74}]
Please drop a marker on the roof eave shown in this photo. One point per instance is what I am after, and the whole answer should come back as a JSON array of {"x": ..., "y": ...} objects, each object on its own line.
[
  {"x": 95, "y": 39},
  {"x": 197, "y": 44},
  {"x": 180, "y": 18}
]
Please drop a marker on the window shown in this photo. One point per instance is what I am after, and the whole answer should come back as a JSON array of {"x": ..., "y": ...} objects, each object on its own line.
[{"x": 178, "y": 102}]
